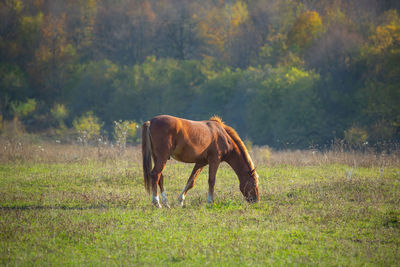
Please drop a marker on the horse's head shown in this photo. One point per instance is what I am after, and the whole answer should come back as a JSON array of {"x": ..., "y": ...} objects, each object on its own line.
[{"x": 249, "y": 186}]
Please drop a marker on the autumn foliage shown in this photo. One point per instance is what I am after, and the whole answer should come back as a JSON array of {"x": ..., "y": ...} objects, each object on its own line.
[{"x": 283, "y": 73}]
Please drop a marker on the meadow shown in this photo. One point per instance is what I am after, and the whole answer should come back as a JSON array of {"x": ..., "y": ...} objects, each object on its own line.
[{"x": 76, "y": 206}]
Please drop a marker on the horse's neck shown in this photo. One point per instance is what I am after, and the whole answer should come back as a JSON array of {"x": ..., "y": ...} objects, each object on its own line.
[{"x": 238, "y": 163}]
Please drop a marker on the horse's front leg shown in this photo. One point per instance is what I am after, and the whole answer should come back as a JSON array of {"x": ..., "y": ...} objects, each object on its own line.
[
  {"x": 212, "y": 172},
  {"x": 190, "y": 183}
]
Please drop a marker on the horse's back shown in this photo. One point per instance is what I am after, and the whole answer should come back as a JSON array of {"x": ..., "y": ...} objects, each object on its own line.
[{"x": 185, "y": 140}]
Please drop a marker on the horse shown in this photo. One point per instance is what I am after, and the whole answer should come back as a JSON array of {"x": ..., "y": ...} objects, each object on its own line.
[{"x": 203, "y": 143}]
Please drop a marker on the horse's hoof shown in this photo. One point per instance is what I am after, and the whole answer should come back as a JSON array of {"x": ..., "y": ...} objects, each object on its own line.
[
  {"x": 181, "y": 200},
  {"x": 157, "y": 205},
  {"x": 165, "y": 204}
]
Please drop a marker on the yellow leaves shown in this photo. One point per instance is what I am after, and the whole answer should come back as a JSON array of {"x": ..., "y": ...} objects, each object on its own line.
[
  {"x": 31, "y": 23},
  {"x": 383, "y": 37},
  {"x": 84, "y": 34},
  {"x": 54, "y": 40},
  {"x": 387, "y": 34},
  {"x": 54, "y": 28},
  {"x": 291, "y": 77},
  {"x": 294, "y": 74},
  {"x": 334, "y": 15},
  {"x": 68, "y": 50},
  {"x": 238, "y": 13},
  {"x": 16, "y": 5},
  {"x": 88, "y": 126},
  {"x": 22, "y": 109},
  {"x": 112, "y": 69},
  {"x": 212, "y": 27},
  {"x": 220, "y": 24},
  {"x": 306, "y": 27},
  {"x": 91, "y": 4},
  {"x": 123, "y": 131},
  {"x": 59, "y": 111},
  {"x": 132, "y": 128},
  {"x": 355, "y": 135}
]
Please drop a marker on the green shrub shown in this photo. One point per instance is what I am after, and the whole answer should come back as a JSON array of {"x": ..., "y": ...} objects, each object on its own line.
[
  {"x": 355, "y": 136},
  {"x": 22, "y": 109},
  {"x": 87, "y": 127},
  {"x": 124, "y": 131},
  {"x": 59, "y": 112}
]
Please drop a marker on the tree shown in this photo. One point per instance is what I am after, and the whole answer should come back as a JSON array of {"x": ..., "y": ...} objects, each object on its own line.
[
  {"x": 307, "y": 27},
  {"x": 219, "y": 25},
  {"x": 124, "y": 31},
  {"x": 285, "y": 110},
  {"x": 13, "y": 87},
  {"x": 49, "y": 69},
  {"x": 381, "y": 93},
  {"x": 10, "y": 11},
  {"x": 83, "y": 26},
  {"x": 176, "y": 35}
]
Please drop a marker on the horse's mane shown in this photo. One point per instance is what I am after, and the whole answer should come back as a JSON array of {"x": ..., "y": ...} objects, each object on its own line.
[
  {"x": 217, "y": 119},
  {"x": 235, "y": 137}
]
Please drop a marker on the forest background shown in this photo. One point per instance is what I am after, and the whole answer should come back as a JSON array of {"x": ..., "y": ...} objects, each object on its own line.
[{"x": 287, "y": 73}]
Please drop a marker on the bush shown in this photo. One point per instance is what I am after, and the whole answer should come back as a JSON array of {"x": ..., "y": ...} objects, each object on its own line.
[
  {"x": 22, "y": 109},
  {"x": 124, "y": 131},
  {"x": 355, "y": 136},
  {"x": 59, "y": 112},
  {"x": 87, "y": 127}
]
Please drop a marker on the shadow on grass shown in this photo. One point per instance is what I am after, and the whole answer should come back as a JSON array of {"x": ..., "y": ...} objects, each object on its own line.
[{"x": 57, "y": 207}]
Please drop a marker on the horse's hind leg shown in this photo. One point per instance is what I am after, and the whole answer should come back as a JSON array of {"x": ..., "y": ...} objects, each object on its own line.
[
  {"x": 190, "y": 183},
  {"x": 164, "y": 199},
  {"x": 156, "y": 176},
  {"x": 211, "y": 180}
]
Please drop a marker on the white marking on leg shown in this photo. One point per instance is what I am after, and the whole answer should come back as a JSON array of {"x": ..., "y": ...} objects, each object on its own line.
[
  {"x": 164, "y": 199},
  {"x": 156, "y": 201},
  {"x": 210, "y": 198},
  {"x": 181, "y": 198}
]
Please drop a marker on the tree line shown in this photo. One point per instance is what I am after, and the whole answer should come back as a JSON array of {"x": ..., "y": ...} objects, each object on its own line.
[{"x": 284, "y": 73}]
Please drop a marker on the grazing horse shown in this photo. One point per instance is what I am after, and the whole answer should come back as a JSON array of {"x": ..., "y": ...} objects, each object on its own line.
[{"x": 200, "y": 142}]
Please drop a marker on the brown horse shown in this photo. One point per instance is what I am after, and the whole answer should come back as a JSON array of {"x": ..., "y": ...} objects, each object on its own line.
[{"x": 200, "y": 142}]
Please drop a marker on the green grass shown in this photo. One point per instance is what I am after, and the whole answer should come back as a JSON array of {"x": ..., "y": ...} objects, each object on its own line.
[{"x": 97, "y": 213}]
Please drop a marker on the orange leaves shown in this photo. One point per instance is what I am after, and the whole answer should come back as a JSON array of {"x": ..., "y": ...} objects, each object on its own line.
[
  {"x": 53, "y": 38},
  {"x": 212, "y": 28},
  {"x": 53, "y": 55},
  {"x": 54, "y": 44},
  {"x": 140, "y": 9}
]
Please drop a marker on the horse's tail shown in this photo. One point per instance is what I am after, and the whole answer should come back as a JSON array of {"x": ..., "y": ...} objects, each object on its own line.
[{"x": 146, "y": 155}]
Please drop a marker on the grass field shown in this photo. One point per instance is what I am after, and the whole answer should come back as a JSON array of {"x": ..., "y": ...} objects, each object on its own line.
[{"x": 68, "y": 205}]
